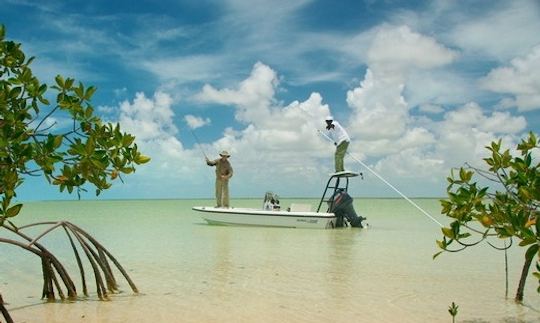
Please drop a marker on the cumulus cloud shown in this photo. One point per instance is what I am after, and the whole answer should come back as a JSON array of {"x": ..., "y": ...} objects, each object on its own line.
[
  {"x": 406, "y": 147},
  {"x": 278, "y": 141},
  {"x": 399, "y": 48},
  {"x": 195, "y": 122},
  {"x": 427, "y": 155},
  {"x": 278, "y": 145},
  {"x": 464, "y": 133},
  {"x": 253, "y": 96},
  {"x": 148, "y": 118},
  {"x": 379, "y": 107},
  {"x": 521, "y": 79},
  {"x": 152, "y": 121},
  {"x": 503, "y": 29}
]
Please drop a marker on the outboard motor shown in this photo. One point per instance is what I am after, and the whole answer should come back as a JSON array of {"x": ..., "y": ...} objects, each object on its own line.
[{"x": 342, "y": 207}]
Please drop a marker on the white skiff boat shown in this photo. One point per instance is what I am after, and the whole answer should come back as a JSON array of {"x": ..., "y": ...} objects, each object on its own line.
[
  {"x": 267, "y": 218},
  {"x": 339, "y": 206}
]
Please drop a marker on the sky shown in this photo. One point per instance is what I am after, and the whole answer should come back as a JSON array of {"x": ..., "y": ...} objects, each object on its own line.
[{"x": 421, "y": 87}]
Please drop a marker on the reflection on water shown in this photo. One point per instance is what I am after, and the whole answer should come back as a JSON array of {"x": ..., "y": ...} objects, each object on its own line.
[{"x": 188, "y": 271}]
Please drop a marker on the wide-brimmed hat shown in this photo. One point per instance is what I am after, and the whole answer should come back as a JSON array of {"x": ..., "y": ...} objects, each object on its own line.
[
  {"x": 329, "y": 118},
  {"x": 224, "y": 153}
]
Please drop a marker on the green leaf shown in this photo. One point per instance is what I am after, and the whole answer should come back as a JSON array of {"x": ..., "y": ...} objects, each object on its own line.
[
  {"x": 88, "y": 113},
  {"x": 42, "y": 89},
  {"x": 79, "y": 90},
  {"x": 43, "y": 100},
  {"x": 13, "y": 211},
  {"x": 58, "y": 141},
  {"x": 142, "y": 159},
  {"x": 527, "y": 241},
  {"x": 89, "y": 92},
  {"x": 126, "y": 170},
  {"x": 15, "y": 92},
  {"x": 442, "y": 244},
  {"x": 532, "y": 139},
  {"x": 69, "y": 83},
  {"x": 464, "y": 175},
  {"x": 127, "y": 140},
  {"x": 60, "y": 81},
  {"x": 90, "y": 146}
]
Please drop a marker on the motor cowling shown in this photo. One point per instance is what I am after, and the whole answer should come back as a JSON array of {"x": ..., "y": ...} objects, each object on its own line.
[{"x": 342, "y": 207}]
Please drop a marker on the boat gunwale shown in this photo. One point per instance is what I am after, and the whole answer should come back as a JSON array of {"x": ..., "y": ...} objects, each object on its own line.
[{"x": 257, "y": 212}]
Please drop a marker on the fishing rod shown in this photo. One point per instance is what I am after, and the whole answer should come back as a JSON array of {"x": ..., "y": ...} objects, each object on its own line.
[
  {"x": 198, "y": 142},
  {"x": 386, "y": 182}
]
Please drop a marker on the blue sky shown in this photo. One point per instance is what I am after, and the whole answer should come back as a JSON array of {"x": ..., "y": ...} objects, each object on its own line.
[{"x": 421, "y": 86}]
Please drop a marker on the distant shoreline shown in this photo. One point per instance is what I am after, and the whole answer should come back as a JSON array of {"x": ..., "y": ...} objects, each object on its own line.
[{"x": 211, "y": 198}]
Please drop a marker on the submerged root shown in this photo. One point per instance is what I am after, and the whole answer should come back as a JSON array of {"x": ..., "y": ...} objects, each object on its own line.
[
  {"x": 56, "y": 279},
  {"x": 4, "y": 311}
]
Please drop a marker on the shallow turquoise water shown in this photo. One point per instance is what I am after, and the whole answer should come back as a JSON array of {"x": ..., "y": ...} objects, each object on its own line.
[{"x": 188, "y": 271}]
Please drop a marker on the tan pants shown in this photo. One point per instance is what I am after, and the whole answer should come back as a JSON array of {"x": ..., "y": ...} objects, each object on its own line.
[
  {"x": 222, "y": 192},
  {"x": 341, "y": 150}
]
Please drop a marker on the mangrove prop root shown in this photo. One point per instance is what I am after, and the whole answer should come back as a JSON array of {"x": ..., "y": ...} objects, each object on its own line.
[
  {"x": 79, "y": 262},
  {"x": 521, "y": 286},
  {"x": 52, "y": 268},
  {"x": 48, "y": 259},
  {"x": 4, "y": 311}
]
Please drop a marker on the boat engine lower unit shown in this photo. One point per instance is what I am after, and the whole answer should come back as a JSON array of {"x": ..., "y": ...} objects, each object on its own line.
[{"x": 342, "y": 206}]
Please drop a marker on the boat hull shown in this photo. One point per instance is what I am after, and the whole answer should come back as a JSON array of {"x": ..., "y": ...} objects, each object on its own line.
[{"x": 257, "y": 217}]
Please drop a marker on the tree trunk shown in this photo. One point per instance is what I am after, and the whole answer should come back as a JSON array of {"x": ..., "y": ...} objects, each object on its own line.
[
  {"x": 4, "y": 311},
  {"x": 524, "y": 273}
]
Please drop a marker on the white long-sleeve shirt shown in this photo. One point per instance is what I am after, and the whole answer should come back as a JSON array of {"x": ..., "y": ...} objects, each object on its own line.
[{"x": 338, "y": 134}]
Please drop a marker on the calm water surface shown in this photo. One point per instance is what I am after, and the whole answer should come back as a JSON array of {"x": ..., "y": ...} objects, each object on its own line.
[{"x": 188, "y": 271}]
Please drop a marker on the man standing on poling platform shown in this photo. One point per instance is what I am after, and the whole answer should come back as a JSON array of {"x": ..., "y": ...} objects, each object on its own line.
[{"x": 341, "y": 141}]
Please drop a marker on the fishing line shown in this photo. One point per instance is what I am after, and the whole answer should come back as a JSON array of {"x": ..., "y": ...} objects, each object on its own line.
[
  {"x": 386, "y": 182},
  {"x": 198, "y": 142}
]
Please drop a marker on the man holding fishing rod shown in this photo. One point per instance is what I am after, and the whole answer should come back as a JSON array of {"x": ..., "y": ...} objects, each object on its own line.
[{"x": 224, "y": 172}]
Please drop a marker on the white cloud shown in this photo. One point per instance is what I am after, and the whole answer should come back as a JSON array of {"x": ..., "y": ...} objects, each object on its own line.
[
  {"x": 379, "y": 108},
  {"x": 411, "y": 164},
  {"x": 464, "y": 133},
  {"x": 471, "y": 116},
  {"x": 521, "y": 79},
  {"x": 195, "y": 122},
  {"x": 148, "y": 119},
  {"x": 106, "y": 109},
  {"x": 183, "y": 69},
  {"x": 278, "y": 142},
  {"x": 253, "y": 97},
  {"x": 501, "y": 31},
  {"x": 399, "y": 48},
  {"x": 408, "y": 147},
  {"x": 173, "y": 170},
  {"x": 278, "y": 145},
  {"x": 120, "y": 93}
]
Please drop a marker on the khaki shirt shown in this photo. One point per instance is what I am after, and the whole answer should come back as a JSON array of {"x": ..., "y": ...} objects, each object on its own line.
[{"x": 223, "y": 167}]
